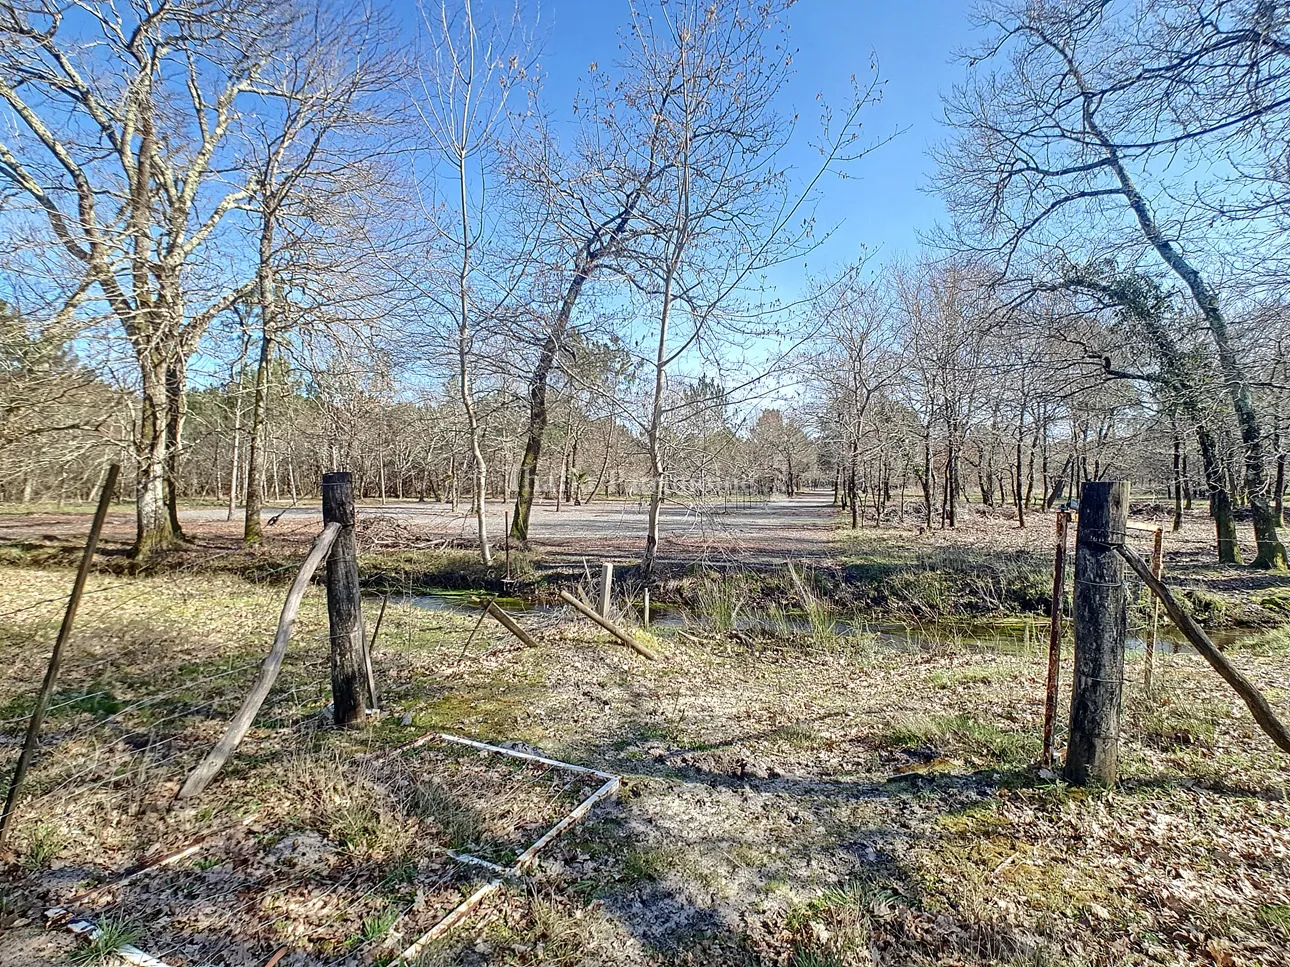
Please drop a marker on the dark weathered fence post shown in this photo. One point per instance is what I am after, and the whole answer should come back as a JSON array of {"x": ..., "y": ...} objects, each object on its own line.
[
  {"x": 344, "y": 604},
  {"x": 1100, "y": 619},
  {"x": 1055, "y": 634}
]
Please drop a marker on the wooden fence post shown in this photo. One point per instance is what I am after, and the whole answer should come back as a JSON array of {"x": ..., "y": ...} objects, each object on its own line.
[
  {"x": 56, "y": 657},
  {"x": 606, "y": 586},
  {"x": 1055, "y": 633},
  {"x": 1100, "y": 623},
  {"x": 349, "y": 684}
]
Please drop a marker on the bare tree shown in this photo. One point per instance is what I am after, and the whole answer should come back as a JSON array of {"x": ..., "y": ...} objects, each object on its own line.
[
  {"x": 313, "y": 154},
  {"x": 726, "y": 207},
  {"x": 123, "y": 117},
  {"x": 468, "y": 75},
  {"x": 1055, "y": 146}
]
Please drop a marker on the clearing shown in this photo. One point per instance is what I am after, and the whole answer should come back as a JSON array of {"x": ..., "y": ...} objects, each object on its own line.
[{"x": 820, "y": 795}]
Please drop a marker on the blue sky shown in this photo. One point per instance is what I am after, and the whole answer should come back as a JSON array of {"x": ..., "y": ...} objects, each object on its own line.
[{"x": 884, "y": 206}]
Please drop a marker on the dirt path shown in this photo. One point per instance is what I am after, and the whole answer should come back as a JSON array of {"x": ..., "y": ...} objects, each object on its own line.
[{"x": 762, "y": 533}]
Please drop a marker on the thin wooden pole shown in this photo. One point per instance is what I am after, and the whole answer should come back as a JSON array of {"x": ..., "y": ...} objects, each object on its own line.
[
  {"x": 608, "y": 625},
  {"x": 646, "y": 609},
  {"x": 1055, "y": 633},
  {"x": 606, "y": 587},
  {"x": 240, "y": 724},
  {"x": 504, "y": 619},
  {"x": 60, "y": 643},
  {"x": 380, "y": 616},
  {"x": 1253, "y": 698},
  {"x": 1157, "y": 568},
  {"x": 1092, "y": 755},
  {"x": 506, "y": 529},
  {"x": 349, "y": 662}
]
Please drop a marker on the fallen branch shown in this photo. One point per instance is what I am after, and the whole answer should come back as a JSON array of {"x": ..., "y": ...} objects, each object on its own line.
[
  {"x": 201, "y": 777},
  {"x": 1252, "y": 697},
  {"x": 608, "y": 625}
]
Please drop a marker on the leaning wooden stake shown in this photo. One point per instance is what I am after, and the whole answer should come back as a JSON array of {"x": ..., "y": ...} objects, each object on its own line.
[
  {"x": 56, "y": 658},
  {"x": 1253, "y": 698},
  {"x": 201, "y": 777},
  {"x": 352, "y": 687},
  {"x": 1055, "y": 634},
  {"x": 608, "y": 625},
  {"x": 505, "y": 621},
  {"x": 1101, "y": 615}
]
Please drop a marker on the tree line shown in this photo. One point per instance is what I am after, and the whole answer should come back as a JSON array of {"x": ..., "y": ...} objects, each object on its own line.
[{"x": 250, "y": 241}]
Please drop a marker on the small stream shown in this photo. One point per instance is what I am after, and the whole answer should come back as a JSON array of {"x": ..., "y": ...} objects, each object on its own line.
[{"x": 1015, "y": 636}]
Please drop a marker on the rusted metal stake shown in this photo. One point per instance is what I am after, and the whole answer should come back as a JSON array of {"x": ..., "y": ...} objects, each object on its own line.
[
  {"x": 1157, "y": 568},
  {"x": 1055, "y": 633},
  {"x": 56, "y": 658}
]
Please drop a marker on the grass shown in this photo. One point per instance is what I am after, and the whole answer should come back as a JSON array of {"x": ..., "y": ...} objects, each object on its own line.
[
  {"x": 375, "y": 928},
  {"x": 950, "y": 678},
  {"x": 964, "y": 866},
  {"x": 42, "y": 844},
  {"x": 720, "y": 599},
  {"x": 964, "y": 734},
  {"x": 646, "y": 865},
  {"x": 1277, "y": 916},
  {"x": 113, "y": 934}
]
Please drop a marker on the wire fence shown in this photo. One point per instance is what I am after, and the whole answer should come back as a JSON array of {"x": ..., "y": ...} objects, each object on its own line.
[{"x": 336, "y": 856}]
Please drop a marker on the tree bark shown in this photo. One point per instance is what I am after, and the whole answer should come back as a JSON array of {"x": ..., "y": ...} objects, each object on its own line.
[
  {"x": 253, "y": 527},
  {"x": 153, "y": 526},
  {"x": 1101, "y": 614},
  {"x": 176, "y": 412}
]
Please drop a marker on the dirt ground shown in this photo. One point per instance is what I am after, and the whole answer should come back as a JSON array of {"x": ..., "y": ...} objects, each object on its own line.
[
  {"x": 810, "y": 798},
  {"x": 719, "y": 530}
]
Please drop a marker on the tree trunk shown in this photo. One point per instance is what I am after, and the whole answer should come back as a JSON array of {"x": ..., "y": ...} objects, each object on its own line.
[
  {"x": 1220, "y": 501},
  {"x": 153, "y": 526},
  {"x": 655, "y": 434},
  {"x": 176, "y": 411},
  {"x": 252, "y": 527},
  {"x": 604, "y": 464}
]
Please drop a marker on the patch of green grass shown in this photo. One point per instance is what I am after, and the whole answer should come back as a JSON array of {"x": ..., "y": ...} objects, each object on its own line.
[
  {"x": 457, "y": 818},
  {"x": 113, "y": 934},
  {"x": 488, "y": 710},
  {"x": 720, "y": 600},
  {"x": 965, "y": 734},
  {"x": 1277, "y": 916},
  {"x": 827, "y": 929},
  {"x": 42, "y": 844},
  {"x": 1178, "y": 725},
  {"x": 799, "y": 734},
  {"x": 646, "y": 864},
  {"x": 1206, "y": 607},
  {"x": 973, "y": 675},
  {"x": 374, "y": 928}
]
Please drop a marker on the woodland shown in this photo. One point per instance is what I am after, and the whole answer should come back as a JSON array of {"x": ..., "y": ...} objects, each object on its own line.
[{"x": 304, "y": 293}]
